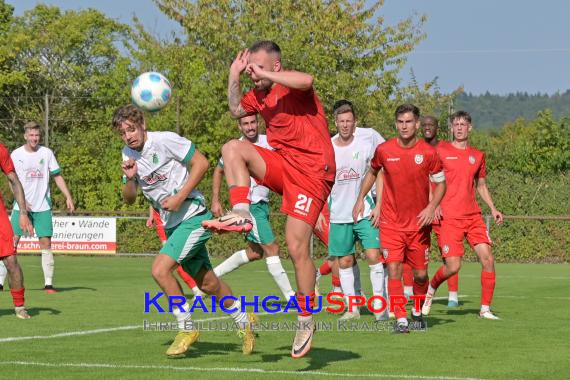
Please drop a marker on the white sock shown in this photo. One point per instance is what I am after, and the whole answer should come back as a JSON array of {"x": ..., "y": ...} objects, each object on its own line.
[
  {"x": 279, "y": 275},
  {"x": 431, "y": 290},
  {"x": 377, "y": 279},
  {"x": 337, "y": 289},
  {"x": 357, "y": 283},
  {"x": 241, "y": 207},
  {"x": 385, "y": 291},
  {"x": 3, "y": 272},
  {"x": 453, "y": 296},
  {"x": 238, "y": 316},
  {"x": 485, "y": 308},
  {"x": 184, "y": 318},
  {"x": 347, "y": 281},
  {"x": 231, "y": 263},
  {"x": 409, "y": 290},
  {"x": 48, "y": 266}
]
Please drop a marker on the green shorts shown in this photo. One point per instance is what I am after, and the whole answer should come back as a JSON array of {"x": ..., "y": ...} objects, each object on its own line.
[
  {"x": 261, "y": 232},
  {"x": 186, "y": 244},
  {"x": 42, "y": 222},
  {"x": 343, "y": 236}
]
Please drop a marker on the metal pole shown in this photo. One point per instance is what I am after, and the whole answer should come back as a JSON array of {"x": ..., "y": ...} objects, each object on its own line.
[
  {"x": 46, "y": 119},
  {"x": 178, "y": 114}
]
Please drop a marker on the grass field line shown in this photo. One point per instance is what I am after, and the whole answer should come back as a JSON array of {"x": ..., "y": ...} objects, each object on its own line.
[
  {"x": 97, "y": 331},
  {"x": 235, "y": 369}
]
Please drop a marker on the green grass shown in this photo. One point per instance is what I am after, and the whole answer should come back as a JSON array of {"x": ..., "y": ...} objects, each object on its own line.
[{"x": 531, "y": 340}]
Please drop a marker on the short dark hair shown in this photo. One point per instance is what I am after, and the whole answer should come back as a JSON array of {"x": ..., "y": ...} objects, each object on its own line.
[
  {"x": 127, "y": 113},
  {"x": 460, "y": 115},
  {"x": 239, "y": 120},
  {"x": 343, "y": 106},
  {"x": 432, "y": 118},
  {"x": 405, "y": 108},
  {"x": 266, "y": 45},
  {"x": 32, "y": 125}
]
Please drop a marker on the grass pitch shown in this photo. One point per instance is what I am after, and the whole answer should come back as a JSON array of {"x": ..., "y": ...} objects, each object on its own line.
[{"x": 92, "y": 328}]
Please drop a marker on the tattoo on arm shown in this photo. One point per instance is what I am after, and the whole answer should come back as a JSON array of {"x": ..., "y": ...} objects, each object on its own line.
[{"x": 234, "y": 99}]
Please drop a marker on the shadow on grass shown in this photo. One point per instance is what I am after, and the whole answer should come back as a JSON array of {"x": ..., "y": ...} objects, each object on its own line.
[
  {"x": 33, "y": 312},
  {"x": 317, "y": 358},
  {"x": 199, "y": 349}
]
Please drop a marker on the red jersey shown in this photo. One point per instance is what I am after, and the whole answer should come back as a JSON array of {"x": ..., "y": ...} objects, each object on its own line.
[
  {"x": 461, "y": 167},
  {"x": 5, "y": 163},
  {"x": 406, "y": 182},
  {"x": 296, "y": 128}
]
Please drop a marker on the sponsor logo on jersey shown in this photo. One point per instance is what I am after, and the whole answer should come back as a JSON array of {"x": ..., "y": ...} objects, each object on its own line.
[
  {"x": 393, "y": 159},
  {"x": 34, "y": 173},
  {"x": 347, "y": 175},
  {"x": 451, "y": 158},
  {"x": 419, "y": 158},
  {"x": 153, "y": 178},
  {"x": 472, "y": 160}
]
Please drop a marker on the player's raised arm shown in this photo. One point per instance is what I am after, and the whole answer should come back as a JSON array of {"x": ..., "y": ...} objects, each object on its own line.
[
  {"x": 234, "y": 90},
  {"x": 217, "y": 208},
  {"x": 292, "y": 79},
  {"x": 129, "y": 179}
]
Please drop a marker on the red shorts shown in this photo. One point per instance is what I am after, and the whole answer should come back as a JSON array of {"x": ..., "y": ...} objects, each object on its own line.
[
  {"x": 303, "y": 196},
  {"x": 6, "y": 233},
  {"x": 452, "y": 232},
  {"x": 411, "y": 247}
]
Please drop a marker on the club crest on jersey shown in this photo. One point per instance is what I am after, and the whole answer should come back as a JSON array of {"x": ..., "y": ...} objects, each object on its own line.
[
  {"x": 355, "y": 155},
  {"x": 385, "y": 253},
  {"x": 153, "y": 178},
  {"x": 445, "y": 249},
  {"x": 471, "y": 160},
  {"x": 419, "y": 158},
  {"x": 155, "y": 158},
  {"x": 42, "y": 161}
]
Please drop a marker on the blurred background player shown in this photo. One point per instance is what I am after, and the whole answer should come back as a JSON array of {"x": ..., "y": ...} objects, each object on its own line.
[
  {"x": 35, "y": 164},
  {"x": 260, "y": 239},
  {"x": 430, "y": 128},
  {"x": 352, "y": 156},
  {"x": 408, "y": 165},
  {"x": 7, "y": 249},
  {"x": 301, "y": 168},
  {"x": 168, "y": 168},
  {"x": 460, "y": 213},
  {"x": 154, "y": 221},
  {"x": 330, "y": 265}
]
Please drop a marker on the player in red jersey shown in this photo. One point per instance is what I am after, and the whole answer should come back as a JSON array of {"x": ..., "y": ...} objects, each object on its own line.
[
  {"x": 461, "y": 217},
  {"x": 406, "y": 214},
  {"x": 301, "y": 168},
  {"x": 7, "y": 249},
  {"x": 154, "y": 221},
  {"x": 430, "y": 127}
]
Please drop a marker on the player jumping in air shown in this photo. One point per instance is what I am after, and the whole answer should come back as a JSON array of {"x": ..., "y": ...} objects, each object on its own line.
[{"x": 301, "y": 168}]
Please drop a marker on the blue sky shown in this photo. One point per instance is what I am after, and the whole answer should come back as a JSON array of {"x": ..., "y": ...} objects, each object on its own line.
[{"x": 499, "y": 46}]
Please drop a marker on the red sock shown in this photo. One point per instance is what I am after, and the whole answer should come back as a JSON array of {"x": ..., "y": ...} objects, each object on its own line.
[
  {"x": 421, "y": 290},
  {"x": 325, "y": 268},
  {"x": 439, "y": 277},
  {"x": 239, "y": 194},
  {"x": 303, "y": 303},
  {"x": 18, "y": 296},
  {"x": 487, "y": 287},
  {"x": 395, "y": 288},
  {"x": 453, "y": 283},
  {"x": 159, "y": 226},
  {"x": 335, "y": 281},
  {"x": 186, "y": 277},
  {"x": 408, "y": 275}
]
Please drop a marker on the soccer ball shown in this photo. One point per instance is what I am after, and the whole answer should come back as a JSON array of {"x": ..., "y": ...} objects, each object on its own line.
[{"x": 151, "y": 91}]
